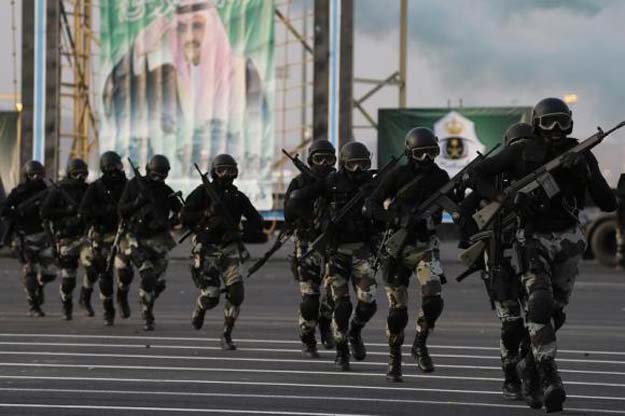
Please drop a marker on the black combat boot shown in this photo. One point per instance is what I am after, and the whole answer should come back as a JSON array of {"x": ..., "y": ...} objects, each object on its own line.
[
  {"x": 394, "y": 362},
  {"x": 530, "y": 383},
  {"x": 40, "y": 295},
  {"x": 355, "y": 341},
  {"x": 419, "y": 352},
  {"x": 148, "y": 317},
  {"x": 551, "y": 383},
  {"x": 109, "y": 312},
  {"x": 342, "y": 356},
  {"x": 197, "y": 319},
  {"x": 309, "y": 349},
  {"x": 84, "y": 300},
  {"x": 325, "y": 332},
  {"x": 160, "y": 287},
  {"x": 226, "y": 336},
  {"x": 511, "y": 384},
  {"x": 67, "y": 309},
  {"x": 34, "y": 309},
  {"x": 122, "y": 302}
]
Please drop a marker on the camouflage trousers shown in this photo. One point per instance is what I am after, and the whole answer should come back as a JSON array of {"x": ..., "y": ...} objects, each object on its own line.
[
  {"x": 351, "y": 263},
  {"x": 620, "y": 245},
  {"x": 550, "y": 266},
  {"x": 422, "y": 260},
  {"x": 94, "y": 257},
  {"x": 317, "y": 303},
  {"x": 150, "y": 256},
  {"x": 68, "y": 254},
  {"x": 213, "y": 265},
  {"x": 36, "y": 255}
]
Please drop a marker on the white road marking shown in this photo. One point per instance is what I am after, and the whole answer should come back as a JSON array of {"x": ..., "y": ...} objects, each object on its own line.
[
  {"x": 335, "y": 387},
  {"x": 269, "y": 341},
  {"x": 291, "y": 397},
  {"x": 297, "y": 351},
  {"x": 171, "y": 409},
  {"x": 269, "y": 360},
  {"x": 270, "y": 371}
]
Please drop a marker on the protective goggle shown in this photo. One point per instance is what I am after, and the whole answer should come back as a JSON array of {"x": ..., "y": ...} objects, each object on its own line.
[
  {"x": 354, "y": 165},
  {"x": 423, "y": 153},
  {"x": 34, "y": 176},
  {"x": 550, "y": 121},
  {"x": 226, "y": 171},
  {"x": 323, "y": 159},
  {"x": 79, "y": 175}
]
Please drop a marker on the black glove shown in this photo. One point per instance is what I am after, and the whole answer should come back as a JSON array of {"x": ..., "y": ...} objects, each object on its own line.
[
  {"x": 574, "y": 161},
  {"x": 526, "y": 204},
  {"x": 70, "y": 209}
]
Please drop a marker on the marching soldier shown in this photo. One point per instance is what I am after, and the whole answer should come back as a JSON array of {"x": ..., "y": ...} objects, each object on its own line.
[
  {"x": 407, "y": 187},
  {"x": 549, "y": 238},
  {"x": 60, "y": 209},
  {"x": 303, "y": 215},
  {"x": 218, "y": 251},
  {"x": 99, "y": 210},
  {"x": 150, "y": 208},
  {"x": 27, "y": 236},
  {"x": 350, "y": 258}
]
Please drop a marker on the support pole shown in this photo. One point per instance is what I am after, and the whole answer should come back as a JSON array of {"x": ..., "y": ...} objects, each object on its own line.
[
  {"x": 346, "y": 72},
  {"x": 403, "y": 29},
  {"x": 321, "y": 74}
]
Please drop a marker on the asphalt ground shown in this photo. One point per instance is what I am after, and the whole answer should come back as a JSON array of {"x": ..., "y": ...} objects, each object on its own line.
[{"x": 52, "y": 367}]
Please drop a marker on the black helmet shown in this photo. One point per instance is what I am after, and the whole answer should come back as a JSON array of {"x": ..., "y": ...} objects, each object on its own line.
[
  {"x": 321, "y": 156},
  {"x": 77, "y": 167},
  {"x": 158, "y": 168},
  {"x": 355, "y": 156},
  {"x": 32, "y": 169},
  {"x": 552, "y": 113},
  {"x": 421, "y": 143},
  {"x": 111, "y": 161},
  {"x": 516, "y": 132},
  {"x": 224, "y": 166}
]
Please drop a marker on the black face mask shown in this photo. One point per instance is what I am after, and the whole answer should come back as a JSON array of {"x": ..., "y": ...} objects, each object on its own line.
[
  {"x": 421, "y": 165},
  {"x": 323, "y": 170},
  {"x": 223, "y": 182}
]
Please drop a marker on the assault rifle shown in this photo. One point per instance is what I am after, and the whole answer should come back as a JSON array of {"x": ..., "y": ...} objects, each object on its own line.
[
  {"x": 284, "y": 236},
  {"x": 223, "y": 213},
  {"x": 540, "y": 178},
  {"x": 394, "y": 245},
  {"x": 370, "y": 187},
  {"x": 301, "y": 166},
  {"x": 10, "y": 224},
  {"x": 110, "y": 260}
]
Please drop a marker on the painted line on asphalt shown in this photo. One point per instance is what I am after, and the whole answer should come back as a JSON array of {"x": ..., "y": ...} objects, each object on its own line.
[
  {"x": 282, "y": 384},
  {"x": 269, "y": 341},
  {"x": 171, "y": 409},
  {"x": 291, "y": 397},
  {"x": 272, "y": 371},
  {"x": 268, "y": 360},
  {"x": 371, "y": 353}
]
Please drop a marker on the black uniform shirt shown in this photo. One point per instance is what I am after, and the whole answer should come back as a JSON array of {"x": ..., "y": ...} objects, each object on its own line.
[
  {"x": 61, "y": 211},
  {"x": 99, "y": 205},
  {"x": 28, "y": 218}
]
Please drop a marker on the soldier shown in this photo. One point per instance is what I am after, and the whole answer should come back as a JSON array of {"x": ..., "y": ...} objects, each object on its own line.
[
  {"x": 504, "y": 281},
  {"x": 620, "y": 222},
  {"x": 217, "y": 250},
  {"x": 99, "y": 210},
  {"x": 27, "y": 235},
  {"x": 549, "y": 238},
  {"x": 407, "y": 187},
  {"x": 302, "y": 215},
  {"x": 60, "y": 209},
  {"x": 350, "y": 259},
  {"x": 150, "y": 208}
]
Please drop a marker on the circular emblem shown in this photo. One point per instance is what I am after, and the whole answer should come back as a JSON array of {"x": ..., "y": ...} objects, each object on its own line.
[{"x": 454, "y": 148}]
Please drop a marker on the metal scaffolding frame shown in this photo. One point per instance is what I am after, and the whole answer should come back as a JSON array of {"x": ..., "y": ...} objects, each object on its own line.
[{"x": 77, "y": 77}]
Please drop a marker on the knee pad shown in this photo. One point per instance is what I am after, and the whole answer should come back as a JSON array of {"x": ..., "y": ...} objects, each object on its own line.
[
  {"x": 68, "y": 284},
  {"x": 91, "y": 274},
  {"x": 512, "y": 334},
  {"x": 309, "y": 307},
  {"x": 139, "y": 256},
  {"x": 68, "y": 262},
  {"x": 342, "y": 312},
  {"x": 431, "y": 288},
  {"x": 397, "y": 320},
  {"x": 208, "y": 302},
  {"x": 236, "y": 293},
  {"x": 148, "y": 280},
  {"x": 365, "y": 311},
  {"x": 47, "y": 278},
  {"x": 540, "y": 306},
  {"x": 106, "y": 285},
  {"x": 559, "y": 318},
  {"x": 432, "y": 307},
  {"x": 30, "y": 281},
  {"x": 125, "y": 276}
]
